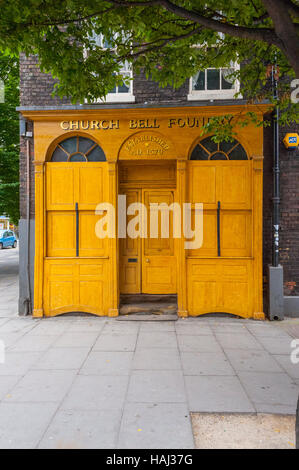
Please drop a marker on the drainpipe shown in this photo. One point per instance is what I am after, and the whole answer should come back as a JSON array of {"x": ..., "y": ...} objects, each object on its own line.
[
  {"x": 26, "y": 135},
  {"x": 275, "y": 271},
  {"x": 276, "y": 174}
]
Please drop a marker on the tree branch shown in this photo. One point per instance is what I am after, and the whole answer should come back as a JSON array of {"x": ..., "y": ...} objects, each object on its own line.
[
  {"x": 256, "y": 34},
  {"x": 292, "y": 7}
]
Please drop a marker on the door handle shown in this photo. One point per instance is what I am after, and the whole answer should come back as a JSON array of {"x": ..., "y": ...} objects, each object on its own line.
[
  {"x": 77, "y": 230},
  {"x": 218, "y": 229},
  {"x": 147, "y": 260}
]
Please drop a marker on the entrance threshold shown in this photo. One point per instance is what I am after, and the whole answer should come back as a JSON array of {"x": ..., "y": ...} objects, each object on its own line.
[{"x": 148, "y": 307}]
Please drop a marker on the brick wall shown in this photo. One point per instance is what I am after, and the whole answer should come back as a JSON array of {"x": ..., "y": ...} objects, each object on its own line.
[
  {"x": 289, "y": 236},
  {"x": 23, "y": 174}
]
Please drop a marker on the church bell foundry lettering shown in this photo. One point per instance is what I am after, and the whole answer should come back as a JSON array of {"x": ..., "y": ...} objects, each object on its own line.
[
  {"x": 104, "y": 124},
  {"x": 134, "y": 124}
]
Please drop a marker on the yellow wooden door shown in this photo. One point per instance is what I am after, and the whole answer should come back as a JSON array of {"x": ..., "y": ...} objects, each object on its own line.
[
  {"x": 220, "y": 273},
  {"x": 158, "y": 252},
  {"x": 130, "y": 252},
  {"x": 76, "y": 259}
]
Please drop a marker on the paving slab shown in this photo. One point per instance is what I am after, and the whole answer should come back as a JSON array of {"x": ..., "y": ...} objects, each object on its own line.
[
  {"x": 195, "y": 363},
  {"x": 76, "y": 339},
  {"x": 152, "y": 386},
  {"x": 288, "y": 366},
  {"x": 270, "y": 388},
  {"x": 61, "y": 358},
  {"x": 10, "y": 339},
  {"x": 18, "y": 363},
  {"x": 156, "y": 359},
  {"x": 183, "y": 328},
  {"x": 96, "y": 393},
  {"x": 115, "y": 342},
  {"x": 87, "y": 325},
  {"x": 48, "y": 327},
  {"x": 258, "y": 361},
  {"x": 74, "y": 429},
  {"x": 238, "y": 341},
  {"x": 123, "y": 328},
  {"x": 156, "y": 326},
  {"x": 230, "y": 328},
  {"x": 277, "y": 345},
  {"x": 17, "y": 324},
  {"x": 155, "y": 426},
  {"x": 42, "y": 386},
  {"x": 157, "y": 339},
  {"x": 108, "y": 363},
  {"x": 23, "y": 424},
  {"x": 7, "y": 382},
  {"x": 217, "y": 394},
  {"x": 33, "y": 343},
  {"x": 268, "y": 330},
  {"x": 197, "y": 343}
]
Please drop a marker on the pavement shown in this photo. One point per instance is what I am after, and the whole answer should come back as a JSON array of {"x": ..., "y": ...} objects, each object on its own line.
[
  {"x": 95, "y": 382},
  {"x": 9, "y": 283}
]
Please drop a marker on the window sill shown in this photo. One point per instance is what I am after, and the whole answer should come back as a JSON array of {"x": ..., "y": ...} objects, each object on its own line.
[
  {"x": 213, "y": 96},
  {"x": 117, "y": 98}
]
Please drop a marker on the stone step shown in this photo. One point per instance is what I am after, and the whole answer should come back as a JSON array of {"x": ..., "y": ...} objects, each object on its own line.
[
  {"x": 147, "y": 317},
  {"x": 146, "y": 298},
  {"x": 155, "y": 308}
]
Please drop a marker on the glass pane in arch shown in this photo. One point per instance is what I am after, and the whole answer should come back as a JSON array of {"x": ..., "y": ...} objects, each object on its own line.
[
  {"x": 199, "y": 154},
  {"x": 85, "y": 144},
  {"x": 219, "y": 156},
  {"x": 238, "y": 153},
  {"x": 77, "y": 157},
  {"x": 59, "y": 155},
  {"x": 70, "y": 144},
  {"x": 209, "y": 144},
  {"x": 96, "y": 155}
]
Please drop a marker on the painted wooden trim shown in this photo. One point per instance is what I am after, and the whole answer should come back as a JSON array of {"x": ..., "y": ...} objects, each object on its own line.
[
  {"x": 181, "y": 252},
  {"x": 39, "y": 240},
  {"x": 257, "y": 186},
  {"x": 113, "y": 242}
]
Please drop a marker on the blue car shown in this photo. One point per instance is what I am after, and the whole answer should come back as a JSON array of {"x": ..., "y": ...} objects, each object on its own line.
[{"x": 7, "y": 238}]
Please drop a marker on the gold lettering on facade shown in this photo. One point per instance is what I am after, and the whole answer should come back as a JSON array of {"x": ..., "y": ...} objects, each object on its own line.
[
  {"x": 144, "y": 124},
  {"x": 146, "y": 145},
  {"x": 134, "y": 124}
]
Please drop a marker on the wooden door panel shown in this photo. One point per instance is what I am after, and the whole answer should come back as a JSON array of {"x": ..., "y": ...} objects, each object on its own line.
[
  {"x": 91, "y": 295},
  {"x": 130, "y": 254},
  {"x": 91, "y": 185},
  {"x": 219, "y": 286},
  {"x": 61, "y": 234},
  {"x": 89, "y": 244},
  {"x": 159, "y": 275},
  {"x": 202, "y": 183},
  {"x": 209, "y": 245},
  {"x": 75, "y": 285},
  {"x": 234, "y": 188},
  {"x": 235, "y": 233},
  {"x": 60, "y": 186},
  {"x": 158, "y": 259}
]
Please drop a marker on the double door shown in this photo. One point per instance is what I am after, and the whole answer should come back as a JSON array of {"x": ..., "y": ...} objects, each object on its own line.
[
  {"x": 76, "y": 262},
  {"x": 147, "y": 253}
]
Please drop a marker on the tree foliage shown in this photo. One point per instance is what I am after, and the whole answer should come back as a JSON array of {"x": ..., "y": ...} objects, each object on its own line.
[
  {"x": 9, "y": 140},
  {"x": 158, "y": 37}
]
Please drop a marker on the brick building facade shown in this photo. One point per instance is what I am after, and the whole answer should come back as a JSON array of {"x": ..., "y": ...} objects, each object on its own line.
[{"x": 36, "y": 93}]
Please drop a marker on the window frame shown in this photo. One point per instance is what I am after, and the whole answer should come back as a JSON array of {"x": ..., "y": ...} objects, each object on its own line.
[
  {"x": 218, "y": 94},
  {"x": 117, "y": 97}
]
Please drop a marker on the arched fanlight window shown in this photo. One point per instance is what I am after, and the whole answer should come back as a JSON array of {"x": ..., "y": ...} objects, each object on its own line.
[
  {"x": 207, "y": 149},
  {"x": 78, "y": 149}
]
